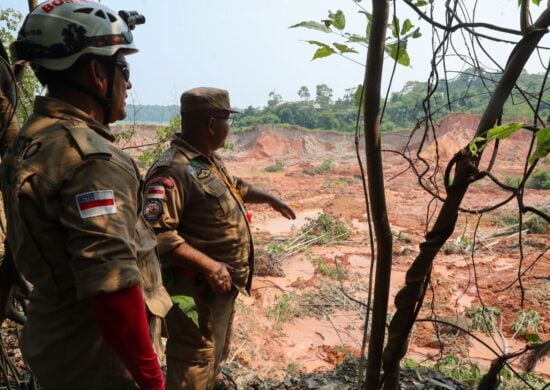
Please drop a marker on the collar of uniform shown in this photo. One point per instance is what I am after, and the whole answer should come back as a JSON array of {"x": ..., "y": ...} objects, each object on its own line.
[
  {"x": 185, "y": 147},
  {"x": 56, "y": 108}
]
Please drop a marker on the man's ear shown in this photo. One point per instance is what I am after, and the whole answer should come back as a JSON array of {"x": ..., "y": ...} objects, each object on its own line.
[
  {"x": 210, "y": 123},
  {"x": 98, "y": 76}
]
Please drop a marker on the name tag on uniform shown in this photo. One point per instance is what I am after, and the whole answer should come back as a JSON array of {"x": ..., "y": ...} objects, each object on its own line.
[{"x": 92, "y": 204}]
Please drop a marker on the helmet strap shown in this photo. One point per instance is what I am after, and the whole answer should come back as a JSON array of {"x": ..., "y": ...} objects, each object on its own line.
[
  {"x": 108, "y": 99},
  {"x": 104, "y": 101}
]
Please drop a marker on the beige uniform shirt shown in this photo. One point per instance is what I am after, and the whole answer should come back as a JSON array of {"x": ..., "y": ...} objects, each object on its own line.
[
  {"x": 72, "y": 202},
  {"x": 191, "y": 198}
]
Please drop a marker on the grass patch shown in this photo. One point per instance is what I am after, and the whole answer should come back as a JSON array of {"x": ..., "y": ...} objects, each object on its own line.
[
  {"x": 278, "y": 166},
  {"x": 285, "y": 309},
  {"x": 325, "y": 166}
]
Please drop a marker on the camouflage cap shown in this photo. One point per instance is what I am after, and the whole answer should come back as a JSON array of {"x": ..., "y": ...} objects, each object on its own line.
[{"x": 204, "y": 98}]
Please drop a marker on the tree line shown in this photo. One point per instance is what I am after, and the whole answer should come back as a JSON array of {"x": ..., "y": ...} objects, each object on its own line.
[{"x": 469, "y": 92}]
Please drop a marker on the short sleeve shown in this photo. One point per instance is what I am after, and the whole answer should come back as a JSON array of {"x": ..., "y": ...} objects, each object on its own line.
[
  {"x": 162, "y": 208},
  {"x": 99, "y": 214}
]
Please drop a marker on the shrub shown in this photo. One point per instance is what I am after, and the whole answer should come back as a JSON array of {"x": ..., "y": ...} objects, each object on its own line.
[
  {"x": 484, "y": 318},
  {"x": 527, "y": 322},
  {"x": 540, "y": 180},
  {"x": 325, "y": 166},
  {"x": 326, "y": 229},
  {"x": 277, "y": 167}
]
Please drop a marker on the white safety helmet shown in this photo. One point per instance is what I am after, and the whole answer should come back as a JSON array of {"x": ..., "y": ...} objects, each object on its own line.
[{"x": 58, "y": 32}]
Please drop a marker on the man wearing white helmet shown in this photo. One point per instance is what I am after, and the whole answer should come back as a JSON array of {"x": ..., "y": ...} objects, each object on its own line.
[{"x": 73, "y": 205}]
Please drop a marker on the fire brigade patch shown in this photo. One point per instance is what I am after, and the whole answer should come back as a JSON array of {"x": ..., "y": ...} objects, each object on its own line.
[
  {"x": 152, "y": 210},
  {"x": 95, "y": 203}
]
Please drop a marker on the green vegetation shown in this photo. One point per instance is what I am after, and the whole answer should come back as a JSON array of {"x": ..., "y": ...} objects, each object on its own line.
[
  {"x": 540, "y": 180},
  {"x": 325, "y": 166},
  {"x": 274, "y": 248},
  {"x": 468, "y": 92},
  {"x": 532, "y": 222},
  {"x": 337, "y": 272},
  {"x": 527, "y": 323},
  {"x": 10, "y": 20},
  {"x": 470, "y": 373},
  {"x": 463, "y": 371},
  {"x": 325, "y": 229},
  {"x": 484, "y": 318},
  {"x": 284, "y": 309},
  {"x": 278, "y": 166}
]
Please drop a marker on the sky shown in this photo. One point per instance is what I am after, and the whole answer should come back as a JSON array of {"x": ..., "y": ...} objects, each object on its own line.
[{"x": 247, "y": 47}]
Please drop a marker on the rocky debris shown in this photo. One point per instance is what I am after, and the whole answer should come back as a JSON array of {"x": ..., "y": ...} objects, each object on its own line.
[
  {"x": 343, "y": 377},
  {"x": 267, "y": 264}
]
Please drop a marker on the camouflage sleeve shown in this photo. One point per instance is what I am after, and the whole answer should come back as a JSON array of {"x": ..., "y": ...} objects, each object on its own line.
[
  {"x": 100, "y": 216},
  {"x": 162, "y": 208}
]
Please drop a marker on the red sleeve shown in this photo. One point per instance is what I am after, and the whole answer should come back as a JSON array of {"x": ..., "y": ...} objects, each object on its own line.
[{"x": 123, "y": 323}]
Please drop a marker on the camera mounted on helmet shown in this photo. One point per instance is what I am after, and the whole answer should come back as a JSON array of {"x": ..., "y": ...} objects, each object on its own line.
[{"x": 132, "y": 18}]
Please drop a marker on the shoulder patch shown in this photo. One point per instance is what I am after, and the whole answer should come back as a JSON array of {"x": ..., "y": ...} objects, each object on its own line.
[
  {"x": 152, "y": 210},
  {"x": 155, "y": 192},
  {"x": 89, "y": 143},
  {"x": 161, "y": 180},
  {"x": 95, "y": 203}
]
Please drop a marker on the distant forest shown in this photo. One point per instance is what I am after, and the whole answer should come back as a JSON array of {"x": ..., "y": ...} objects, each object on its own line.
[{"x": 318, "y": 109}]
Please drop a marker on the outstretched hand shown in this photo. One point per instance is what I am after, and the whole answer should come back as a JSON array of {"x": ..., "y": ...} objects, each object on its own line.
[{"x": 283, "y": 209}]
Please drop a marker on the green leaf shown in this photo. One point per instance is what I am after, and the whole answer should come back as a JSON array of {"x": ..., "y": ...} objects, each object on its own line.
[
  {"x": 188, "y": 306},
  {"x": 317, "y": 43},
  {"x": 417, "y": 33},
  {"x": 367, "y": 14},
  {"x": 536, "y": 2},
  {"x": 407, "y": 25},
  {"x": 503, "y": 132},
  {"x": 357, "y": 38},
  {"x": 395, "y": 27},
  {"x": 475, "y": 149},
  {"x": 357, "y": 96},
  {"x": 344, "y": 48},
  {"x": 421, "y": 3},
  {"x": 338, "y": 19},
  {"x": 543, "y": 145},
  {"x": 313, "y": 26},
  {"x": 532, "y": 337},
  {"x": 399, "y": 53},
  {"x": 323, "y": 52}
]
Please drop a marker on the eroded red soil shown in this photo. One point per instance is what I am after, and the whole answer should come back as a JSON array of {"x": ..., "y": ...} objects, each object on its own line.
[{"x": 321, "y": 333}]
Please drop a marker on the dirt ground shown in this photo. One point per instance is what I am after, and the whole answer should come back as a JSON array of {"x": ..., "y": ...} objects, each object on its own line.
[
  {"x": 306, "y": 311},
  {"x": 321, "y": 332}
]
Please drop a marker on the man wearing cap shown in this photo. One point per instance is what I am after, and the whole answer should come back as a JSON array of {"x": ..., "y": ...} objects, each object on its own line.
[
  {"x": 196, "y": 208},
  {"x": 73, "y": 207}
]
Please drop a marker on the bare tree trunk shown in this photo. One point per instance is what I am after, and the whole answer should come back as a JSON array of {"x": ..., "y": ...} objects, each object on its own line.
[
  {"x": 409, "y": 299},
  {"x": 383, "y": 255}
]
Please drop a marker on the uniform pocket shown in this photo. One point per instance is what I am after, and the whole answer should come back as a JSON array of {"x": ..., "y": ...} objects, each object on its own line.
[{"x": 217, "y": 189}]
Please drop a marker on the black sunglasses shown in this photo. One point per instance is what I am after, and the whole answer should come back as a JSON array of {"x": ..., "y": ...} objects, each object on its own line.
[{"x": 124, "y": 69}]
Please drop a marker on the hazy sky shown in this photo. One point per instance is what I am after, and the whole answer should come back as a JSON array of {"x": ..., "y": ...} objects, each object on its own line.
[{"x": 245, "y": 46}]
